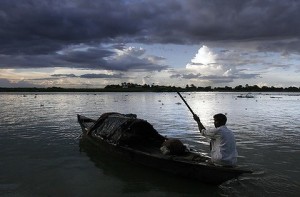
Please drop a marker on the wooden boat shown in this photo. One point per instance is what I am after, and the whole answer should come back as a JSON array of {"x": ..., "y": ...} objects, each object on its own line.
[
  {"x": 189, "y": 164},
  {"x": 248, "y": 95}
]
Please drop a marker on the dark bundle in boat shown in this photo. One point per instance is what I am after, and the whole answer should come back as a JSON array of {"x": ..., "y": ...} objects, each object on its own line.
[{"x": 126, "y": 129}]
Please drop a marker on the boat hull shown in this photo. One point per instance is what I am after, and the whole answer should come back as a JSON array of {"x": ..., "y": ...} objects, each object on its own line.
[{"x": 178, "y": 165}]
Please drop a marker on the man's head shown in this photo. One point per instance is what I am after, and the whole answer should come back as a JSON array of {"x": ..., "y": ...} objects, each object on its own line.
[{"x": 219, "y": 120}]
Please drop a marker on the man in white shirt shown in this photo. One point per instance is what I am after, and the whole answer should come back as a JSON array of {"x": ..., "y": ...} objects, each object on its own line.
[{"x": 222, "y": 141}]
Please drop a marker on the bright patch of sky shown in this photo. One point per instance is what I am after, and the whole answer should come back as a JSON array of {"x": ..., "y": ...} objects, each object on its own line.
[{"x": 176, "y": 56}]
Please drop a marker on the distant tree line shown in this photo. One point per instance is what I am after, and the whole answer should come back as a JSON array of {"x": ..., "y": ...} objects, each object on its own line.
[
  {"x": 132, "y": 87},
  {"x": 192, "y": 87}
]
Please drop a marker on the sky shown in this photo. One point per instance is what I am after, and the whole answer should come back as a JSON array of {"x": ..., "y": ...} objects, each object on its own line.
[{"x": 94, "y": 43}]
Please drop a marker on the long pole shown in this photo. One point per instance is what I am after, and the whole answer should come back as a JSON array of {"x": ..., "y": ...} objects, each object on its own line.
[{"x": 186, "y": 103}]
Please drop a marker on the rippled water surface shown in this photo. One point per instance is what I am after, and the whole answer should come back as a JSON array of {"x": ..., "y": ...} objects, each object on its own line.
[{"x": 41, "y": 153}]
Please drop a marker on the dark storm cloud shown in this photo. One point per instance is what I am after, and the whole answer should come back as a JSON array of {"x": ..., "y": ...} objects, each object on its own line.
[
  {"x": 94, "y": 57},
  {"x": 91, "y": 58},
  {"x": 30, "y": 61},
  {"x": 285, "y": 47},
  {"x": 46, "y": 26},
  {"x": 32, "y": 30}
]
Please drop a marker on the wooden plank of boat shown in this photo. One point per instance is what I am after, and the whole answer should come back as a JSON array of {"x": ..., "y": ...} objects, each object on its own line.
[{"x": 192, "y": 165}]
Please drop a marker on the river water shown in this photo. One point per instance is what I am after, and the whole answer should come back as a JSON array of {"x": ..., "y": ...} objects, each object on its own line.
[{"x": 41, "y": 152}]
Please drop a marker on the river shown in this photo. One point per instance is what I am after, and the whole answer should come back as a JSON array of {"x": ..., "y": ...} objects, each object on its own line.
[{"x": 41, "y": 155}]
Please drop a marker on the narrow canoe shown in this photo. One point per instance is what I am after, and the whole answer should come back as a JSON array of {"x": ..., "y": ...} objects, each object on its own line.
[{"x": 191, "y": 165}]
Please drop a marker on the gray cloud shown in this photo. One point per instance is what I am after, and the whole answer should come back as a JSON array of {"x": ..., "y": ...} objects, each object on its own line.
[
  {"x": 46, "y": 26},
  {"x": 219, "y": 79},
  {"x": 32, "y": 32},
  {"x": 39, "y": 27},
  {"x": 88, "y": 76},
  {"x": 99, "y": 76},
  {"x": 22, "y": 83},
  {"x": 185, "y": 76},
  {"x": 210, "y": 78},
  {"x": 92, "y": 58},
  {"x": 216, "y": 78},
  {"x": 63, "y": 75},
  {"x": 286, "y": 47}
]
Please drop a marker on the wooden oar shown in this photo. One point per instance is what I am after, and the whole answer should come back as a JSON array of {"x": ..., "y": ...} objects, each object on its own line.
[
  {"x": 186, "y": 103},
  {"x": 200, "y": 125}
]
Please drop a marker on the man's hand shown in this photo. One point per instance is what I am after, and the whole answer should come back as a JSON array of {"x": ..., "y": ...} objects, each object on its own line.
[
  {"x": 200, "y": 125},
  {"x": 196, "y": 118}
]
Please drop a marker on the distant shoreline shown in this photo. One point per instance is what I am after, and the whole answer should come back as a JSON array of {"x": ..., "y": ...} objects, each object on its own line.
[{"x": 147, "y": 88}]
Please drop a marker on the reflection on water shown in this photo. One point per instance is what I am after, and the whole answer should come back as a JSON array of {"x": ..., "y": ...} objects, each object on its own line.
[{"x": 40, "y": 153}]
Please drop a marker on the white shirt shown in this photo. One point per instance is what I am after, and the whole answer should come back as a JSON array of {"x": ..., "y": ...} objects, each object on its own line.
[{"x": 223, "y": 148}]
